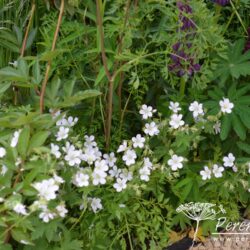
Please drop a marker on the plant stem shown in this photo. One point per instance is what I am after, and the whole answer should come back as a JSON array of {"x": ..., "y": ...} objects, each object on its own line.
[
  {"x": 22, "y": 50},
  {"x": 195, "y": 233},
  {"x": 129, "y": 237},
  {"x": 182, "y": 87},
  {"x": 45, "y": 81}
]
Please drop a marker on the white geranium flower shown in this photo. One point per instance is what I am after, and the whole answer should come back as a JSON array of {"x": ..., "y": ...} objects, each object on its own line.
[
  {"x": 46, "y": 215},
  {"x": 123, "y": 147},
  {"x": 46, "y": 189},
  {"x": 176, "y": 162},
  {"x": 1, "y": 199},
  {"x": 110, "y": 159},
  {"x": 217, "y": 127},
  {"x": 63, "y": 133},
  {"x": 196, "y": 108},
  {"x": 206, "y": 173},
  {"x": 101, "y": 166},
  {"x": 146, "y": 111},
  {"x": 229, "y": 160},
  {"x": 54, "y": 113},
  {"x": 235, "y": 169},
  {"x": 120, "y": 184},
  {"x": 80, "y": 179},
  {"x": 226, "y": 106},
  {"x": 89, "y": 155},
  {"x": 126, "y": 175},
  {"x": 61, "y": 210},
  {"x": 114, "y": 172},
  {"x": 70, "y": 122},
  {"x": 15, "y": 138},
  {"x": 4, "y": 169},
  {"x": 99, "y": 177},
  {"x": 96, "y": 204},
  {"x": 20, "y": 209},
  {"x": 174, "y": 106},
  {"x": 89, "y": 141},
  {"x": 138, "y": 141},
  {"x": 129, "y": 157},
  {"x": 73, "y": 157},
  {"x": 147, "y": 163},
  {"x": 54, "y": 149},
  {"x": 176, "y": 121},
  {"x": 217, "y": 170},
  {"x": 2, "y": 152},
  {"x": 151, "y": 129},
  {"x": 144, "y": 173},
  {"x": 58, "y": 179}
]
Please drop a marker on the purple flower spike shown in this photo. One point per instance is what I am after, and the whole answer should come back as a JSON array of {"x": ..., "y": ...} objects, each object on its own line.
[{"x": 222, "y": 2}]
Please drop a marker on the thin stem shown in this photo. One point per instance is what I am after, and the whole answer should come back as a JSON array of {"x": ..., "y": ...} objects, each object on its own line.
[
  {"x": 22, "y": 51},
  {"x": 182, "y": 87},
  {"x": 237, "y": 14},
  {"x": 129, "y": 237},
  {"x": 45, "y": 81},
  {"x": 195, "y": 233}
]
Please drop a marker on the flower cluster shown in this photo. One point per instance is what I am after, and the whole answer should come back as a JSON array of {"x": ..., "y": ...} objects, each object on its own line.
[
  {"x": 221, "y": 2},
  {"x": 217, "y": 170}
]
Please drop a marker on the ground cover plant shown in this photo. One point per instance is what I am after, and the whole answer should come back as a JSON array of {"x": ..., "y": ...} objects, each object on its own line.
[{"x": 117, "y": 117}]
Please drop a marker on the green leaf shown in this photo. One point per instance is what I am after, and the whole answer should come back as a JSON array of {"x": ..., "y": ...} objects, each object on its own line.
[
  {"x": 23, "y": 141},
  {"x": 4, "y": 87},
  {"x": 20, "y": 236},
  {"x": 38, "y": 139},
  {"x": 226, "y": 124},
  {"x": 12, "y": 74},
  {"x": 238, "y": 127},
  {"x": 244, "y": 146},
  {"x": 79, "y": 97},
  {"x": 68, "y": 87}
]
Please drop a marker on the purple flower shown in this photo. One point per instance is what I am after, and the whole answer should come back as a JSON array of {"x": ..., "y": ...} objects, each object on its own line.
[
  {"x": 222, "y": 2},
  {"x": 185, "y": 9}
]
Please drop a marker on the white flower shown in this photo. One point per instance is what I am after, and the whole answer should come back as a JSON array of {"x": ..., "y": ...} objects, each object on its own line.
[
  {"x": 174, "y": 106},
  {"x": 110, "y": 159},
  {"x": 206, "y": 173},
  {"x": 55, "y": 150},
  {"x": 226, "y": 106},
  {"x": 55, "y": 113},
  {"x": 14, "y": 64},
  {"x": 89, "y": 155},
  {"x": 144, "y": 173},
  {"x": 89, "y": 141},
  {"x": 126, "y": 175},
  {"x": 146, "y": 111},
  {"x": 99, "y": 177},
  {"x": 151, "y": 129},
  {"x": 58, "y": 179},
  {"x": 196, "y": 108},
  {"x": 20, "y": 209},
  {"x": 101, "y": 166},
  {"x": 235, "y": 169},
  {"x": 120, "y": 184},
  {"x": 1, "y": 199},
  {"x": 129, "y": 157},
  {"x": 122, "y": 205},
  {"x": 71, "y": 121},
  {"x": 123, "y": 147},
  {"x": 46, "y": 189},
  {"x": 138, "y": 141},
  {"x": 114, "y": 172},
  {"x": 3, "y": 170},
  {"x": 176, "y": 121},
  {"x": 96, "y": 204},
  {"x": 217, "y": 170},
  {"x": 229, "y": 160},
  {"x": 46, "y": 215},
  {"x": 217, "y": 127},
  {"x": 73, "y": 157},
  {"x": 61, "y": 210},
  {"x": 2, "y": 152},
  {"x": 176, "y": 162},
  {"x": 80, "y": 179},
  {"x": 15, "y": 138},
  {"x": 63, "y": 133},
  {"x": 147, "y": 163}
]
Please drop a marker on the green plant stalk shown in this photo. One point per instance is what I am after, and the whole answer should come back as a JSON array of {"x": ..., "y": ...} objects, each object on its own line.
[
  {"x": 237, "y": 14},
  {"x": 129, "y": 237},
  {"x": 45, "y": 81},
  {"x": 182, "y": 86}
]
